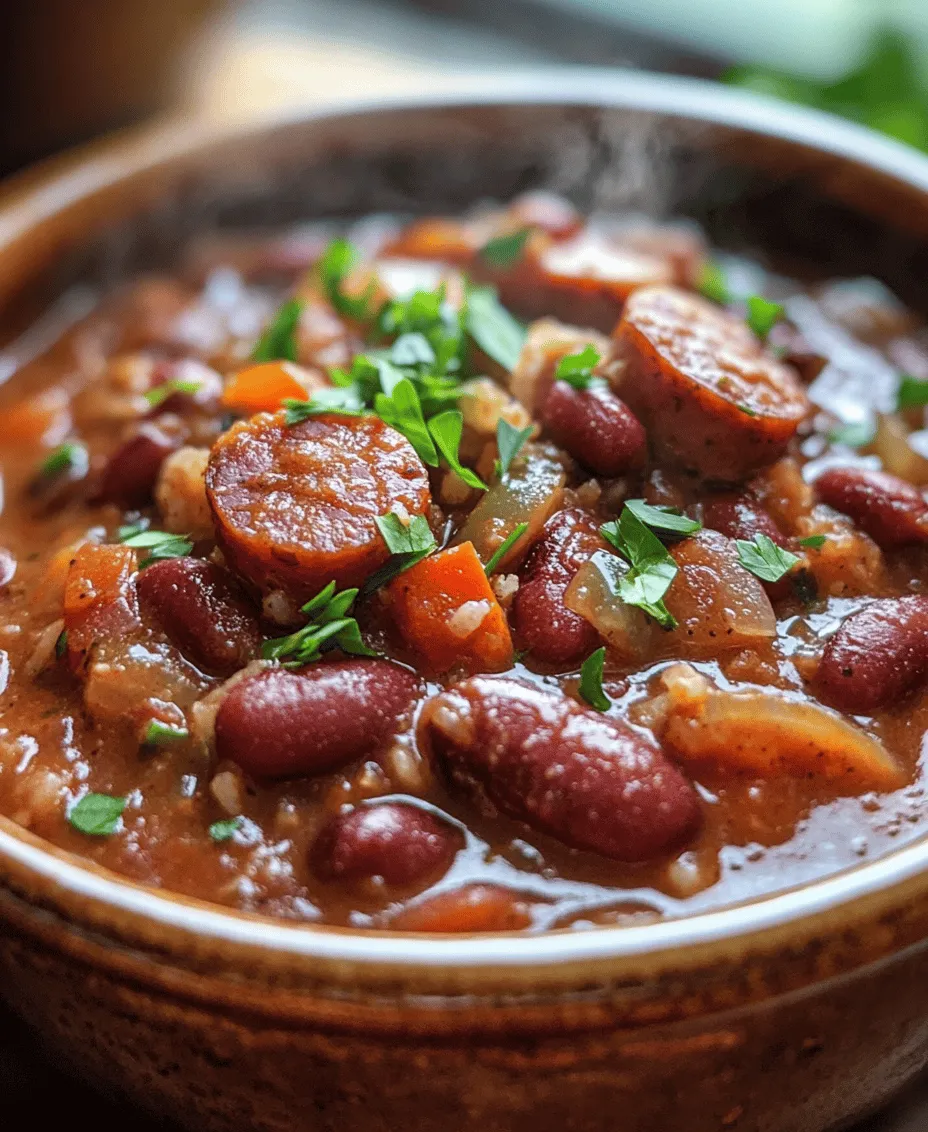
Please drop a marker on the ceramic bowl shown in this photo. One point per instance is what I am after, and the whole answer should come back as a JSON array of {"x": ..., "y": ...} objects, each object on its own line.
[{"x": 796, "y": 1013}]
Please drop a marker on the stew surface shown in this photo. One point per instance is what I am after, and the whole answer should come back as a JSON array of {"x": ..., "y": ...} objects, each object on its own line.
[{"x": 515, "y": 571}]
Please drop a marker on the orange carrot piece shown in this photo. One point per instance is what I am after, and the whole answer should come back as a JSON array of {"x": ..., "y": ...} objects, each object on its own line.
[
  {"x": 262, "y": 387},
  {"x": 446, "y": 609},
  {"x": 99, "y": 596},
  {"x": 44, "y": 417}
]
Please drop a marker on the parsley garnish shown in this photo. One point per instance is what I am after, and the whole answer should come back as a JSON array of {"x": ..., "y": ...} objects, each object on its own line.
[
  {"x": 504, "y": 251},
  {"x": 746, "y": 409},
  {"x": 663, "y": 518},
  {"x": 763, "y": 315},
  {"x": 223, "y": 830},
  {"x": 504, "y": 547},
  {"x": 158, "y": 394},
  {"x": 97, "y": 814},
  {"x": 160, "y": 544},
  {"x": 338, "y": 260},
  {"x": 813, "y": 542},
  {"x": 713, "y": 284},
  {"x": 446, "y": 430},
  {"x": 764, "y": 559},
  {"x": 70, "y": 457},
  {"x": 278, "y": 342},
  {"x": 61, "y": 644},
  {"x": 328, "y": 626},
  {"x": 407, "y": 545},
  {"x": 492, "y": 327},
  {"x": 913, "y": 393},
  {"x": 858, "y": 434},
  {"x": 652, "y": 568},
  {"x": 336, "y": 400},
  {"x": 402, "y": 409},
  {"x": 509, "y": 442},
  {"x": 158, "y": 734},
  {"x": 591, "y": 681},
  {"x": 577, "y": 369}
]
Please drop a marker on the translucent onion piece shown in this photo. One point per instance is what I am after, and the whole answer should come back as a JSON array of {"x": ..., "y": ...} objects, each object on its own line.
[
  {"x": 900, "y": 450},
  {"x": 629, "y": 634}
]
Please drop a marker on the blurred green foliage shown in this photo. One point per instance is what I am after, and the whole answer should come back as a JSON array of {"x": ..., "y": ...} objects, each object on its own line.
[{"x": 887, "y": 91}]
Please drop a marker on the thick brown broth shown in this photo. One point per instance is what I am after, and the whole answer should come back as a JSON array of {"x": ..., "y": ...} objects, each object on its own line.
[{"x": 71, "y": 722}]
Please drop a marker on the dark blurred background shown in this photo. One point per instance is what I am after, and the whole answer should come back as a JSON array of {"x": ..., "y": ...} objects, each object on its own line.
[{"x": 71, "y": 70}]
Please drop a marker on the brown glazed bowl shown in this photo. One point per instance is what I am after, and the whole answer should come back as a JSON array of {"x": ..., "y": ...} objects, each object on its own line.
[{"x": 796, "y": 1013}]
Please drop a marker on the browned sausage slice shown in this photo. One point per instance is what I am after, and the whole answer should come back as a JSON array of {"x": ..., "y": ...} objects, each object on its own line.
[
  {"x": 295, "y": 505},
  {"x": 713, "y": 399}
]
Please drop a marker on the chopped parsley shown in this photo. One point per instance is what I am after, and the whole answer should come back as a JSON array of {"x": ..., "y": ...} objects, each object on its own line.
[
  {"x": 857, "y": 434},
  {"x": 408, "y": 544},
  {"x": 97, "y": 815},
  {"x": 764, "y": 559},
  {"x": 61, "y": 644},
  {"x": 278, "y": 342},
  {"x": 69, "y": 458},
  {"x": 713, "y": 284},
  {"x": 224, "y": 830},
  {"x": 746, "y": 409},
  {"x": 591, "y": 681},
  {"x": 651, "y": 568},
  {"x": 577, "y": 369},
  {"x": 401, "y": 408},
  {"x": 913, "y": 393},
  {"x": 813, "y": 542},
  {"x": 505, "y": 250},
  {"x": 334, "y": 400},
  {"x": 504, "y": 547},
  {"x": 663, "y": 518},
  {"x": 509, "y": 442},
  {"x": 446, "y": 430},
  {"x": 158, "y": 394},
  {"x": 338, "y": 260},
  {"x": 158, "y": 734},
  {"x": 492, "y": 327},
  {"x": 763, "y": 315},
  {"x": 159, "y": 544},
  {"x": 328, "y": 626}
]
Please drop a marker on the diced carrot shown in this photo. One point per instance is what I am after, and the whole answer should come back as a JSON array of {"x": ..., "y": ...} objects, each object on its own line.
[
  {"x": 262, "y": 388},
  {"x": 99, "y": 596},
  {"x": 446, "y": 609},
  {"x": 44, "y": 417},
  {"x": 434, "y": 238},
  {"x": 473, "y": 908}
]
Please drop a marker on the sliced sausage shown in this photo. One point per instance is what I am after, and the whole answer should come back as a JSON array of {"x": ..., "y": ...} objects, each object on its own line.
[
  {"x": 280, "y": 724},
  {"x": 401, "y": 843},
  {"x": 890, "y": 510},
  {"x": 877, "y": 657},
  {"x": 591, "y": 781},
  {"x": 204, "y": 613},
  {"x": 544, "y": 625},
  {"x": 294, "y": 506},
  {"x": 712, "y": 398},
  {"x": 595, "y": 427},
  {"x": 131, "y": 473}
]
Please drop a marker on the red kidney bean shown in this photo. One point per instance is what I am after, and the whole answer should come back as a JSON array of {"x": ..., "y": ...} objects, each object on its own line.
[
  {"x": 471, "y": 908},
  {"x": 545, "y": 626},
  {"x": 595, "y": 427},
  {"x": 877, "y": 657},
  {"x": 890, "y": 510},
  {"x": 281, "y": 724},
  {"x": 740, "y": 516},
  {"x": 201, "y": 608},
  {"x": 400, "y": 842},
  {"x": 591, "y": 781},
  {"x": 131, "y": 472}
]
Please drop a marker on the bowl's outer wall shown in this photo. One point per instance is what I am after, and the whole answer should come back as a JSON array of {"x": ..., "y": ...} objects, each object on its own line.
[{"x": 801, "y": 1038}]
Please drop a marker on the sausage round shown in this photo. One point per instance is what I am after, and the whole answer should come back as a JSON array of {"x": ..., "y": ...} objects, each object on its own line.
[
  {"x": 200, "y": 607},
  {"x": 591, "y": 781},
  {"x": 878, "y": 656},
  {"x": 712, "y": 398},
  {"x": 281, "y": 724},
  {"x": 294, "y": 505}
]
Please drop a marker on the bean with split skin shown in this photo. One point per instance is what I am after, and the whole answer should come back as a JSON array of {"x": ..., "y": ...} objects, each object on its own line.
[
  {"x": 591, "y": 781},
  {"x": 131, "y": 473},
  {"x": 203, "y": 611},
  {"x": 403, "y": 844},
  {"x": 889, "y": 509},
  {"x": 283, "y": 724},
  {"x": 595, "y": 427},
  {"x": 877, "y": 657}
]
